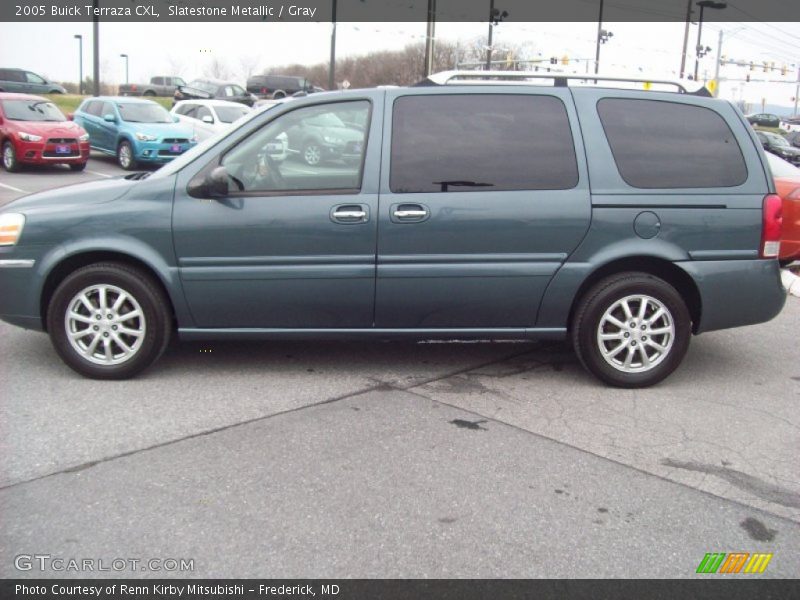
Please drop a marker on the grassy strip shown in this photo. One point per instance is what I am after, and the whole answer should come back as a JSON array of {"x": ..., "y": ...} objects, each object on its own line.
[{"x": 69, "y": 103}]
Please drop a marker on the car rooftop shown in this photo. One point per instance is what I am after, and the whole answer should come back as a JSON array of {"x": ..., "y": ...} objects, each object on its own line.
[{"x": 14, "y": 96}]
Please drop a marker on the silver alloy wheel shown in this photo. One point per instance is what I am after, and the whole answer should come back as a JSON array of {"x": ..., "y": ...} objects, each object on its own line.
[
  {"x": 636, "y": 333},
  {"x": 8, "y": 156},
  {"x": 105, "y": 324},
  {"x": 125, "y": 156},
  {"x": 312, "y": 154}
]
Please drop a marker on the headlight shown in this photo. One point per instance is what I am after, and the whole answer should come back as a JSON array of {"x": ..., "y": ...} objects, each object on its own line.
[
  {"x": 84, "y": 137},
  {"x": 29, "y": 137},
  {"x": 143, "y": 137},
  {"x": 11, "y": 225},
  {"x": 332, "y": 140}
]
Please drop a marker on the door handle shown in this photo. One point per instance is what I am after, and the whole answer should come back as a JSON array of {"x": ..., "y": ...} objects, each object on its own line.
[
  {"x": 350, "y": 213},
  {"x": 410, "y": 214}
]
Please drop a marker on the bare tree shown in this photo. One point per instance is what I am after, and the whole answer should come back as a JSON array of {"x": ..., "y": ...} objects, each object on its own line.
[
  {"x": 217, "y": 69},
  {"x": 175, "y": 65},
  {"x": 249, "y": 65}
]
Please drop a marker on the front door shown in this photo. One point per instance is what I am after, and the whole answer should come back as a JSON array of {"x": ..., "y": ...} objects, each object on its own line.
[
  {"x": 291, "y": 245},
  {"x": 483, "y": 196}
]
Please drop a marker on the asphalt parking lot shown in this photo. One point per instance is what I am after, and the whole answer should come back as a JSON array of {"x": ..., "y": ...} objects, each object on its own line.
[{"x": 319, "y": 459}]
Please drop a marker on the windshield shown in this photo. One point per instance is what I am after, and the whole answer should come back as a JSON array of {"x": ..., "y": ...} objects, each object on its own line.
[
  {"x": 782, "y": 168},
  {"x": 184, "y": 159},
  {"x": 32, "y": 110},
  {"x": 141, "y": 112},
  {"x": 229, "y": 114},
  {"x": 778, "y": 140},
  {"x": 204, "y": 86}
]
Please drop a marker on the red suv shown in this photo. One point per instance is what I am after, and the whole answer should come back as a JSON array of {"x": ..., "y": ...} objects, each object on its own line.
[{"x": 33, "y": 130}]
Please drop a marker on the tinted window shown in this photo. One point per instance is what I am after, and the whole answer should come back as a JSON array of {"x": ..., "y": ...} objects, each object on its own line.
[
  {"x": 291, "y": 154},
  {"x": 229, "y": 114},
  {"x": 660, "y": 144},
  {"x": 143, "y": 112},
  {"x": 107, "y": 109},
  {"x": 33, "y": 77},
  {"x": 237, "y": 91},
  {"x": 203, "y": 111},
  {"x": 187, "y": 110},
  {"x": 93, "y": 108},
  {"x": 462, "y": 143},
  {"x": 11, "y": 75}
]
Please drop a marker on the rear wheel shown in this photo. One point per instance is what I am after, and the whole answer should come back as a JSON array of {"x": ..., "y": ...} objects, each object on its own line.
[
  {"x": 125, "y": 156},
  {"x": 312, "y": 153},
  {"x": 109, "y": 321},
  {"x": 631, "y": 330},
  {"x": 149, "y": 93},
  {"x": 10, "y": 162}
]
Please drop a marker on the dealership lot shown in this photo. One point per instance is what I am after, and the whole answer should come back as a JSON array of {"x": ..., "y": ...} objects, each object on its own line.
[{"x": 401, "y": 459}]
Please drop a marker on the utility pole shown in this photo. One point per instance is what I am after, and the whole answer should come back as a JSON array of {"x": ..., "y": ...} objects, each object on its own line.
[
  {"x": 332, "y": 67},
  {"x": 125, "y": 56},
  {"x": 429, "y": 38},
  {"x": 491, "y": 29},
  {"x": 719, "y": 62},
  {"x": 686, "y": 37},
  {"x": 797, "y": 92},
  {"x": 599, "y": 36},
  {"x": 80, "y": 63},
  {"x": 96, "y": 43}
]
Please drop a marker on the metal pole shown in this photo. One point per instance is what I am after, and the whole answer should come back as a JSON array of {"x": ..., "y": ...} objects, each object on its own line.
[
  {"x": 686, "y": 37},
  {"x": 80, "y": 64},
  {"x": 797, "y": 92},
  {"x": 431, "y": 33},
  {"x": 697, "y": 48},
  {"x": 96, "y": 43},
  {"x": 491, "y": 28},
  {"x": 719, "y": 62},
  {"x": 332, "y": 68},
  {"x": 597, "y": 42}
]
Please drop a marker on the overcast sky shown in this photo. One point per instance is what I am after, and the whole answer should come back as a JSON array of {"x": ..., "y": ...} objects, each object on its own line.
[{"x": 636, "y": 48}]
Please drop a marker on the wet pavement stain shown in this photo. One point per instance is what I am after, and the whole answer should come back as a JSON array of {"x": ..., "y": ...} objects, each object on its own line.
[
  {"x": 474, "y": 425},
  {"x": 602, "y": 510},
  {"x": 447, "y": 520},
  {"x": 757, "y": 530},
  {"x": 758, "y": 487}
]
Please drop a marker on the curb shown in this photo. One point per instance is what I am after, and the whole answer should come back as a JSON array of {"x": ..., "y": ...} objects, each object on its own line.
[{"x": 791, "y": 282}]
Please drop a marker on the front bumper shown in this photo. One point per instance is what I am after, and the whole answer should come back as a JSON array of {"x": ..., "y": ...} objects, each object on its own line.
[
  {"x": 46, "y": 152},
  {"x": 159, "y": 152}
]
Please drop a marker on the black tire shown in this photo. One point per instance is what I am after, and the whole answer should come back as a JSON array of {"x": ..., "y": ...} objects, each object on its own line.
[
  {"x": 78, "y": 166},
  {"x": 602, "y": 297},
  {"x": 138, "y": 285},
  {"x": 126, "y": 161},
  {"x": 10, "y": 162},
  {"x": 150, "y": 93},
  {"x": 311, "y": 153},
  {"x": 278, "y": 94}
]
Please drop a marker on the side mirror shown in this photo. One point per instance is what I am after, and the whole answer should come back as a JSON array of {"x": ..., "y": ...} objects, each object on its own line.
[
  {"x": 274, "y": 149},
  {"x": 110, "y": 118},
  {"x": 208, "y": 119},
  {"x": 214, "y": 184}
]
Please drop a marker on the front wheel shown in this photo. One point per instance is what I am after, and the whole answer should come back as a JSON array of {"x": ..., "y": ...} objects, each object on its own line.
[
  {"x": 10, "y": 161},
  {"x": 631, "y": 330},
  {"x": 109, "y": 321},
  {"x": 125, "y": 156},
  {"x": 312, "y": 153}
]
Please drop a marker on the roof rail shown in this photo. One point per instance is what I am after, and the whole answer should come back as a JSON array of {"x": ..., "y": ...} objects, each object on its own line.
[{"x": 559, "y": 79}]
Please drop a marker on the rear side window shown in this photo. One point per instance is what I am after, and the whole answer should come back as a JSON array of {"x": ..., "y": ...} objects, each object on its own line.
[
  {"x": 94, "y": 108},
  {"x": 658, "y": 144},
  {"x": 483, "y": 142}
]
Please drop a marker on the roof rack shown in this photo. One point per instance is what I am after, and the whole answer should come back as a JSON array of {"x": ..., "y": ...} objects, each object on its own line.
[{"x": 559, "y": 79}]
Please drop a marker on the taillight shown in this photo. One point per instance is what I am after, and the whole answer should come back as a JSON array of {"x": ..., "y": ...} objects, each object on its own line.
[{"x": 771, "y": 226}]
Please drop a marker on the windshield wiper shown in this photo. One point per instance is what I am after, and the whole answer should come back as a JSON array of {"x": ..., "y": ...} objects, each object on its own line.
[{"x": 461, "y": 183}]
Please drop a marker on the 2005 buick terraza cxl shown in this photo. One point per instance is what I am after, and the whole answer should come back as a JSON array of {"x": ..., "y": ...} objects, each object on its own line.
[{"x": 622, "y": 219}]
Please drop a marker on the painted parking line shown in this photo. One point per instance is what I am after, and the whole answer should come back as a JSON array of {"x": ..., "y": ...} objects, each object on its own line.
[
  {"x": 11, "y": 187},
  {"x": 97, "y": 173}
]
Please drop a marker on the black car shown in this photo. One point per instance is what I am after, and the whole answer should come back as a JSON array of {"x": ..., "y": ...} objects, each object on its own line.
[
  {"x": 793, "y": 137},
  {"x": 764, "y": 120},
  {"x": 778, "y": 145},
  {"x": 207, "y": 89},
  {"x": 279, "y": 86}
]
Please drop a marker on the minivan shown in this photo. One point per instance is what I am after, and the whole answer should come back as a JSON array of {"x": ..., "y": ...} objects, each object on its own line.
[
  {"x": 27, "y": 82},
  {"x": 622, "y": 220},
  {"x": 278, "y": 86}
]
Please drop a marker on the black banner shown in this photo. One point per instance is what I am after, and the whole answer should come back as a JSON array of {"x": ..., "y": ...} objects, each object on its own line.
[
  {"x": 733, "y": 588},
  {"x": 391, "y": 10}
]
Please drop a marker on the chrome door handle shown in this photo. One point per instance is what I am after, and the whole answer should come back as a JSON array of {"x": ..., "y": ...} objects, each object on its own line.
[
  {"x": 349, "y": 214},
  {"x": 410, "y": 214}
]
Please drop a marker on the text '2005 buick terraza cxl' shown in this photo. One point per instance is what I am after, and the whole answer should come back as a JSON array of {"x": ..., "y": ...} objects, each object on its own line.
[{"x": 623, "y": 220}]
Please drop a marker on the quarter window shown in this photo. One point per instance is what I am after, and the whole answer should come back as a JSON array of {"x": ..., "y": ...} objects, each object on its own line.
[
  {"x": 317, "y": 147},
  {"x": 481, "y": 142},
  {"x": 658, "y": 144}
]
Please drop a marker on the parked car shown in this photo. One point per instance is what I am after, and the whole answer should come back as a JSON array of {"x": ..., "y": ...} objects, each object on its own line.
[
  {"x": 27, "y": 82},
  {"x": 208, "y": 117},
  {"x": 787, "y": 184},
  {"x": 777, "y": 144},
  {"x": 764, "y": 120},
  {"x": 134, "y": 130},
  {"x": 279, "y": 86},
  {"x": 471, "y": 213},
  {"x": 208, "y": 89},
  {"x": 793, "y": 137},
  {"x": 159, "y": 85},
  {"x": 324, "y": 137},
  {"x": 34, "y": 131}
]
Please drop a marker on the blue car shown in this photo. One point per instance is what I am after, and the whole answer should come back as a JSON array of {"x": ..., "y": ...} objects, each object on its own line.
[{"x": 134, "y": 130}]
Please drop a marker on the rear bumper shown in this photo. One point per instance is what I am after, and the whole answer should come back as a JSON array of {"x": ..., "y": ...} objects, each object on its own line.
[{"x": 734, "y": 293}]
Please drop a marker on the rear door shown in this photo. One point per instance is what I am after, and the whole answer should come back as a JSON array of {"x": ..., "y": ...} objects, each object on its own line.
[{"x": 484, "y": 194}]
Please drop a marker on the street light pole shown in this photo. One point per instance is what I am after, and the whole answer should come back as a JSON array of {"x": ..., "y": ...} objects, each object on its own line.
[
  {"x": 716, "y": 69},
  {"x": 125, "y": 56},
  {"x": 703, "y": 4},
  {"x": 429, "y": 38},
  {"x": 599, "y": 35},
  {"x": 80, "y": 62},
  {"x": 491, "y": 30},
  {"x": 96, "y": 44},
  {"x": 332, "y": 67},
  {"x": 686, "y": 37}
]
